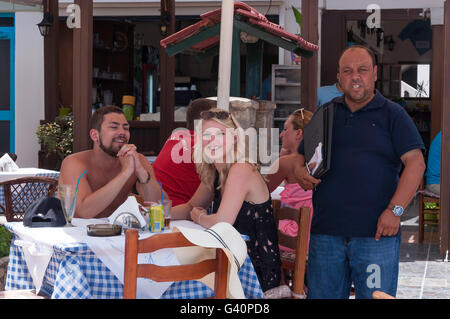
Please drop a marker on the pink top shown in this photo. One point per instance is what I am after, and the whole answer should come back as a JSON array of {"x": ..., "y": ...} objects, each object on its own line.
[{"x": 293, "y": 196}]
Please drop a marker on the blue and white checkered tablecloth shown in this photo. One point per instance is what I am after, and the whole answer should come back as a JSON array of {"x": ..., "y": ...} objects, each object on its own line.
[
  {"x": 38, "y": 172},
  {"x": 74, "y": 272}
]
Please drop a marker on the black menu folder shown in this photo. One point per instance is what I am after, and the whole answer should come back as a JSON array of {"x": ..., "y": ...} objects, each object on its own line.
[{"x": 317, "y": 136}]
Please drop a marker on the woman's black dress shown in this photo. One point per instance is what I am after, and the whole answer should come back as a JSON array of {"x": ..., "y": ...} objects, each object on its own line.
[{"x": 257, "y": 222}]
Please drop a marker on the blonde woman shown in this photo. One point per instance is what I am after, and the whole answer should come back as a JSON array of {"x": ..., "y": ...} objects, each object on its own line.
[
  {"x": 237, "y": 190},
  {"x": 292, "y": 195}
]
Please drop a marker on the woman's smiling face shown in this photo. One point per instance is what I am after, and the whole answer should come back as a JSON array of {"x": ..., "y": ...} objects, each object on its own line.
[{"x": 217, "y": 140}]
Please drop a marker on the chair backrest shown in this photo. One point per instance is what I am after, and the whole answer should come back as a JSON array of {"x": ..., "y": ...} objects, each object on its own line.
[
  {"x": 299, "y": 243},
  {"x": 133, "y": 270},
  {"x": 20, "y": 193}
]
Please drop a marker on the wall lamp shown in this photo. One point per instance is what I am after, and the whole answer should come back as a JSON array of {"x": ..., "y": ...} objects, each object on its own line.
[{"x": 47, "y": 21}]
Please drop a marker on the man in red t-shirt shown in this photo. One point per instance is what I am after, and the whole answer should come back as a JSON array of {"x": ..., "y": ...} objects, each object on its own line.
[{"x": 174, "y": 167}]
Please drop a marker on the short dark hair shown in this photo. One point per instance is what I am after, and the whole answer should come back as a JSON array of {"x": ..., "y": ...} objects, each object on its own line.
[
  {"x": 99, "y": 114},
  {"x": 358, "y": 46},
  {"x": 196, "y": 107}
]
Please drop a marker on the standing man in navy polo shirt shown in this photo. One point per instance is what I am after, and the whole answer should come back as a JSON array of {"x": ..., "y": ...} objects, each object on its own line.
[{"x": 355, "y": 231}]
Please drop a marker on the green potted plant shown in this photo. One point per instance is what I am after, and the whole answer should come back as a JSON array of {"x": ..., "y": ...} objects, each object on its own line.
[
  {"x": 5, "y": 242},
  {"x": 57, "y": 137}
]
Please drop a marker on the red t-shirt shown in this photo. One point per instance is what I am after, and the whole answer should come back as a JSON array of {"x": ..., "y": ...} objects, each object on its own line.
[{"x": 175, "y": 169}]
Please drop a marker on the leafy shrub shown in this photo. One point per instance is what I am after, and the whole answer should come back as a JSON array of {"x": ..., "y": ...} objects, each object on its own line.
[
  {"x": 57, "y": 137},
  {"x": 5, "y": 241}
]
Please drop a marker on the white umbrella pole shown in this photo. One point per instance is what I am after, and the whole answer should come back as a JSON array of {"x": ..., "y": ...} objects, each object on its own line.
[{"x": 226, "y": 42}]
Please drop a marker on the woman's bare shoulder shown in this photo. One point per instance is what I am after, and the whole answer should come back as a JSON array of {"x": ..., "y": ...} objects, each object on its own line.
[{"x": 243, "y": 168}]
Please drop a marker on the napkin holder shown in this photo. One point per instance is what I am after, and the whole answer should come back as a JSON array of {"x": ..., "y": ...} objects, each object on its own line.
[
  {"x": 7, "y": 164},
  {"x": 129, "y": 215}
]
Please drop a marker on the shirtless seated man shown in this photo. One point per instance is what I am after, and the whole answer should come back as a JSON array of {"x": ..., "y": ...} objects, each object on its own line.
[{"x": 114, "y": 168}]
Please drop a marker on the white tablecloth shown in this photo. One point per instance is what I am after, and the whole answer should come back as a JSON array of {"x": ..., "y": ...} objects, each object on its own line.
[
  {"x": 38, "y": 245},
  {"x": 24, "y": 172}
]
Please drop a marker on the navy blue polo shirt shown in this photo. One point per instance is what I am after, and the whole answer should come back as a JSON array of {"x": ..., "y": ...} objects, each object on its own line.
[{"x": 365, "y": 165}]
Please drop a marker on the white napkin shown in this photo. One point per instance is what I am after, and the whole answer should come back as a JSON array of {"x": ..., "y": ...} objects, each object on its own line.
[
  {"x": 129, "y": 206},
  {"x": 7, "y": 164},
  {"x": 37, "y": 258}
]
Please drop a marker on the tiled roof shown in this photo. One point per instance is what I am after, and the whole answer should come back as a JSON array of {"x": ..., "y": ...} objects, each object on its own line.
[{"x": 247, "y": 15}]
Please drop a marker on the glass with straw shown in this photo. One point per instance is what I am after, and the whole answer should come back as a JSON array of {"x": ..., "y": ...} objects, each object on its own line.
[
  {"x": 167, "y": 207},
  {"x": 67, "y": 194}
]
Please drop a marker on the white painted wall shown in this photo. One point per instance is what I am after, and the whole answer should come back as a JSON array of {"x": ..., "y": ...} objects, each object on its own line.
[{"x": 29, "y": 87}]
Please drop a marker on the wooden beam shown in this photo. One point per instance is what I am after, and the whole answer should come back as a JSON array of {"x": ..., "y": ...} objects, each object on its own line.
[
  {"x": 235, "y": 77},
  {"x": 82, "y": 77},
  {"x": 332, "y": 43},
  {"x": 253, "y": 76},
  {"x": 167, "y": 78},
  {"x": 437, "y": 79},
  {"x": 51, "y": 80},
  {"x": 310, "y": 32},
  {"x": 445, "y": 145}
]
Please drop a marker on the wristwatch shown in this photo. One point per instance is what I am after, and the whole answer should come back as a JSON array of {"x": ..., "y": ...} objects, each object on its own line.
[{"x": 396, "y": 209}]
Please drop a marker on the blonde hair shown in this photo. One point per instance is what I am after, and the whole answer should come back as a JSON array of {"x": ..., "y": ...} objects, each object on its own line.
[
  {"x": 205, "y": 168},
  {"x": 300, "y": 118}
]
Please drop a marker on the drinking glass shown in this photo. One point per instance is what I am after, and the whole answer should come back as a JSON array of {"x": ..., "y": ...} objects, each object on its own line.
[
  {"x": 68, "y": 197},
  {"x": 167, "y": 204}
]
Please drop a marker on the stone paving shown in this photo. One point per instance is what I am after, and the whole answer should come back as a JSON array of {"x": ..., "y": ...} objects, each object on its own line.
[{"x": 423, "y": 271}]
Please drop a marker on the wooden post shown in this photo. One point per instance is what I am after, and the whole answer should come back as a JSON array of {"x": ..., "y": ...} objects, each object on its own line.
[
  {"x": 436, "y": 79},
  {"x": 51, "y": 96},
  {"x": 235, "y": 78},
  {"x": 333, "y": 42},
  {"x": 167, "y": 78},
  {"x": 82, "y": 77},
  {"x": 253, "y": 75},
  {"x": 309, "y": 32},
  {"x": 445, "y": 147}
]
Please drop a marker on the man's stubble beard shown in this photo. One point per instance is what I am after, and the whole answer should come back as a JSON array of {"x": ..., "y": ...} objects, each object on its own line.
[{"x": 108, "y": 150}]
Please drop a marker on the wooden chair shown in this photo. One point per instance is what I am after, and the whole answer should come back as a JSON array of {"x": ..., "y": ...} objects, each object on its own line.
[
  {"x": 427, "y": 216},
  {"x": 133, "y": 270},
  {"x": 20, "y": 193},
  {"x": 295, "y": 262}
]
